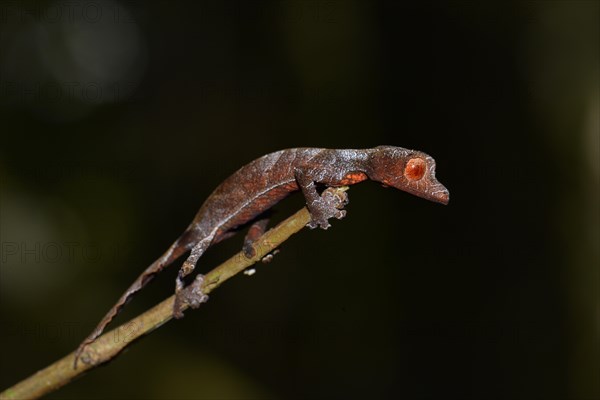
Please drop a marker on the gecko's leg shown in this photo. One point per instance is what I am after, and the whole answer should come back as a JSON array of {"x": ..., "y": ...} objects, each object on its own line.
[
  {"x": 256, "y": 230},
  {"x": 192, "y": 295},
  {"x": 329, "y": 204}
]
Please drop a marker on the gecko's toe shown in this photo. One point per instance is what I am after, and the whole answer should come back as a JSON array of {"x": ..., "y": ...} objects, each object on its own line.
[
  {"x": 191, "y": 296},
  {"x": 324, "y": 224},
  {"x": 340, "y": 214},
  {"x": 336, "y": 198},
  {"x": 177, "y": 309}
]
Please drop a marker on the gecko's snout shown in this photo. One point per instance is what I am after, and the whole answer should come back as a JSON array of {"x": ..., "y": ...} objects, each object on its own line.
[
  {"x": 436, "y": 192},
  {"x": 441, "y": 196}
]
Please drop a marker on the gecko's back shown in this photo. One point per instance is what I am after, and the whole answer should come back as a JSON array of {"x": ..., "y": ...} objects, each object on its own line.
[{"x": 249, "y": 191}]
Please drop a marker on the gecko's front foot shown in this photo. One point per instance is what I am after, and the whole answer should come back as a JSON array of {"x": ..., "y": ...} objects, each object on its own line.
[
  {"x": 329, "y": 205},
  {"x": 191, "y": 296}
]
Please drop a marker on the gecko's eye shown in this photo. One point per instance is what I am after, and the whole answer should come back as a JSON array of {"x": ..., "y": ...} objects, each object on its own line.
[{"x": 415, "y": 169}]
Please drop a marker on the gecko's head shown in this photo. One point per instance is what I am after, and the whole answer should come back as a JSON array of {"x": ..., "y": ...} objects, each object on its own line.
[{"x": 407, "y": 170}]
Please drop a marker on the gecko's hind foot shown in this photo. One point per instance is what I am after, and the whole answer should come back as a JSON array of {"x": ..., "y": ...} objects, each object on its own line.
[
  {"x": 191, "y": 296},
  {"x": 329, "y": 205}
]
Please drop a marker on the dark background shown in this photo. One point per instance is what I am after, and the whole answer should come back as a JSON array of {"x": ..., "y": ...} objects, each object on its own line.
[{"x": 118, "y": 118}]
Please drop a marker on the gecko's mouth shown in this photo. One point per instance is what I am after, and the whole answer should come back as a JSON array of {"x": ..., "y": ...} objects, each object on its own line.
[
  {"x": 437, "y": 193},
  {"x": 441, "y": 195}
]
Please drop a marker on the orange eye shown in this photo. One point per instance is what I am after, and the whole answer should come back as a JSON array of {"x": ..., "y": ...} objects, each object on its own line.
[{"x": 415, "y": 169}]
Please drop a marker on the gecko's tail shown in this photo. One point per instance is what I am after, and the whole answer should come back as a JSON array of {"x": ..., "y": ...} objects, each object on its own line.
[{"x": 177, "y": 249}]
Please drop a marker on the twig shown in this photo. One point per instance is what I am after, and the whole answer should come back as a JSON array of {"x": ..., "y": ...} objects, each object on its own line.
[{"x": 109, "y": 345}]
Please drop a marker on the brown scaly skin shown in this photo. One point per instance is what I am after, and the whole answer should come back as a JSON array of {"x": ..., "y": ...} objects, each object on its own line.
[{"x": 246, "y": 195}]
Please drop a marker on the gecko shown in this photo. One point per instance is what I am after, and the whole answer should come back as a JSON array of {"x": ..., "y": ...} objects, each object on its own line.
[{"x": 245, "y": 198}]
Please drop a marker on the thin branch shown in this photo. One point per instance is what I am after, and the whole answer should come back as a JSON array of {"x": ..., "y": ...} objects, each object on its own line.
[{"x": 109, "y": 345}]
